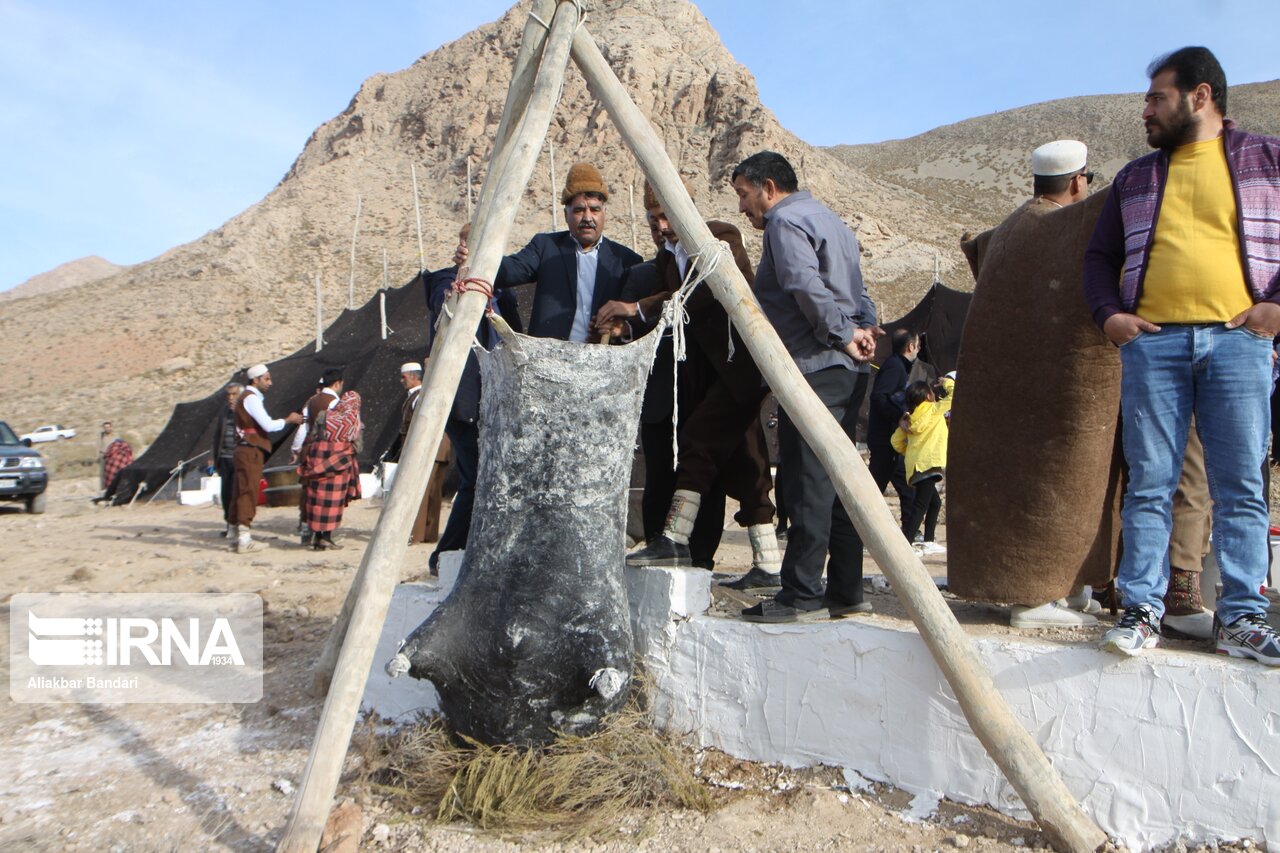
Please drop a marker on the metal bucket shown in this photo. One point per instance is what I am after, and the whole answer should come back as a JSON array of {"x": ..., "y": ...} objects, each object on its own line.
[{"x": 283, "y": 488}]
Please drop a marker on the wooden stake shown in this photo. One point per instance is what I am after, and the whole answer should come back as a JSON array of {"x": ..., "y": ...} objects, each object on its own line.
[
  {"x": 469, "y": 213},
  {"x": 382, "y": 296},
  {"x": 631, "y": 206},
  {"x": 380, "y": 568},
  {"x": 417, "y": 212},
  {"x": 319, "y": 317},
  {"x": 551, "y": 158},
  {"x": 1016, "y": 753},
  {"x": 355, "y": 232}
]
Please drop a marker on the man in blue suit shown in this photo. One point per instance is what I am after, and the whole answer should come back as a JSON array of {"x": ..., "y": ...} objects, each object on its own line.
[{"x": 574, "y": 271}]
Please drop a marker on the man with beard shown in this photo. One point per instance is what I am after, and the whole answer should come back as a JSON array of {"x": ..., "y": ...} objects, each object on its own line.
[{"x": 1183, "y": 274}]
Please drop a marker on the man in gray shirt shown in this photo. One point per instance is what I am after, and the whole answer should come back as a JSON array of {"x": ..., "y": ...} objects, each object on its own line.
[{"x": 810, "y": 287}]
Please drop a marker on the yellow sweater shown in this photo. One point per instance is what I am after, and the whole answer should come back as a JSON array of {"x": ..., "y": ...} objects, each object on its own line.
[
  {"x": 926, "y": 445},
  {"x": 1195, "y": 274}
]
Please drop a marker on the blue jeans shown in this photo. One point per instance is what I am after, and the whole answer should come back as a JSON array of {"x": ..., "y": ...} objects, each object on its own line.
[{"x": 1223, "y": 376}]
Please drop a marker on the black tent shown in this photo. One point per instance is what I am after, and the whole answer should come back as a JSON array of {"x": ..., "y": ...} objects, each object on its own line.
[
  {"x": 938, "y": 318},
  {"x": 353, "y": 342}
]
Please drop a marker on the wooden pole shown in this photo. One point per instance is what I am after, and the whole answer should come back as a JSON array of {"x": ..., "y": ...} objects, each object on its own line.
[
  {"x": 379, "y": 570},
  {"x": 382, "y": 296},
  {"x": 351, "y": 282},
  {"x": 319, "y": 317},
  {"x": 631, "y": 206},
  {"x": 516, "y": 106},
  {"x": 1016, "y": 753},
  {"x": 469, "y": 212},
  {"x": 417, "y": 212},
  {"x": 551, "y": 159}
]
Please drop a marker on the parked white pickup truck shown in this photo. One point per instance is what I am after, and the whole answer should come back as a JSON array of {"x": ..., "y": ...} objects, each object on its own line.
[{"x": 49, "y": 432}]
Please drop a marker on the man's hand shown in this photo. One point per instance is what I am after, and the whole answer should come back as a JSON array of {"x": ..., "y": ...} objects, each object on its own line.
[
  {"x": 863, "y": 345},
  {"x": 460, "y": 254},
  {"x": 1261, "y": 319},
  {"x": 1122, "y": 328},
  {"x": 294, "y": 418},
  {"x": 610, "y": 316}
]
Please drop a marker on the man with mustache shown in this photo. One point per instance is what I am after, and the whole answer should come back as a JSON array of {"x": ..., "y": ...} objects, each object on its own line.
[
  {"x": 575, "y": 271},
  {"x": 1183, "y": 274}
]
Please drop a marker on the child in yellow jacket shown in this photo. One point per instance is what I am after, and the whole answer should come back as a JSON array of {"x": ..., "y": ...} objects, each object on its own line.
[{"x": 922, "y": 438}]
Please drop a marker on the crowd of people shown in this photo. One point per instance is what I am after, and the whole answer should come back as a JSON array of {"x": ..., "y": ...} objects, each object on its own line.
[{"x": 1182, "y": 274}]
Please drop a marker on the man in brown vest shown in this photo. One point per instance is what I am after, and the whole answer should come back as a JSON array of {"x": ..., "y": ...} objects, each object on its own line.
[
  {"x": 252, "y": 426},
  {"x": 721, "y": 440}
]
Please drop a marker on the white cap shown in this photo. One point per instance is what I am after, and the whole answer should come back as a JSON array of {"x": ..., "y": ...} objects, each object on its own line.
[
  {"x": 256, "y": 371},
  {"x": 411, "y": 367},
  {"x": 1061, "y": 157}
]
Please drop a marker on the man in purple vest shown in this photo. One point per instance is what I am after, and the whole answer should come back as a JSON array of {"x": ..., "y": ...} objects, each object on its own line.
[{"x": 1183, "y": 274}]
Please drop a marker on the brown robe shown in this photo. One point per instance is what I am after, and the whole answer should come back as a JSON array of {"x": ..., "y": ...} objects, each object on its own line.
[{"x": 1034, "y": 463}]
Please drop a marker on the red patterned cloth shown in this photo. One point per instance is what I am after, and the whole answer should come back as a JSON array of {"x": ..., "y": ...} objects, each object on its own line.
[
  {"x": 118, "y": 456},
  {"x": 328, "y": 471},
  {"x": 342, "y": 423}
]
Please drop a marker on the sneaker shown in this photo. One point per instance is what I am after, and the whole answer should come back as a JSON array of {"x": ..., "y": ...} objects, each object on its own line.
[
  {"x": 1136, "y": 631},
  {"x": 1249, "y": 637},
  {"x": 1193, "y": 626},
  {"x": 663, "y": 553},
  {"x": 928, "y": 548},
  {"x": 1051, "y": 615},
  {"x": 1083, "y": 601},
  {"x": 756, "y": 580},
  {"x": 244, "y": 546}
]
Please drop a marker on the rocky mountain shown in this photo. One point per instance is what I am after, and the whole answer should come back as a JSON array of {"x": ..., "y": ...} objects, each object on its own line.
[
  {"x": 980, "y": 169},
  {"x": 71, "y": 274},
  {"x": 244, "y": 292}
]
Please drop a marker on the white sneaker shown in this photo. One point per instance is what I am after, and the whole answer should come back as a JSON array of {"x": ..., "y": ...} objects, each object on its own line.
[
  {"x": 928, "y": 548},
  {"x": 1083, "y": 601},
  {"x": 1051, "y": 615},
  {"x": 1196, "y": 626}
]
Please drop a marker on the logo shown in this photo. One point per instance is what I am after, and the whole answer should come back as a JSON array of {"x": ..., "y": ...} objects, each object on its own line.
[{"x": 108, "y": 647}]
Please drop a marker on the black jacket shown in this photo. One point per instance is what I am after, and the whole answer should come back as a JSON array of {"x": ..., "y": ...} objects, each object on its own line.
[
  {"x": 466, "y": 403},
  {"x": 886, "y": 411},
  {"x": 551, "y": 261}
]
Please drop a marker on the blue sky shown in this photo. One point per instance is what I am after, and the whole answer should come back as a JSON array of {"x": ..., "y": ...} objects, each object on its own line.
[{"x": 131, "y": 127}]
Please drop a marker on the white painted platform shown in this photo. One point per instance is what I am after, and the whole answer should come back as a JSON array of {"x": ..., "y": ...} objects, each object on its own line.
[{"x": 1171, "y": 745}]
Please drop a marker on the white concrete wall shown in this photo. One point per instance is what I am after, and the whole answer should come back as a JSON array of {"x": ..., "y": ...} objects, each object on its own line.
[{"x": 1166, "y": 746}]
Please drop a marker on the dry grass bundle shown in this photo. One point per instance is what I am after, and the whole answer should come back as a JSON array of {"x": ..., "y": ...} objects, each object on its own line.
[{"x": 573, "y": 788}]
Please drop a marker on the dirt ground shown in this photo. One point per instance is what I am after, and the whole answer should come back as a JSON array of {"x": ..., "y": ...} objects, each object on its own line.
[{"x": 182, "y": 777}]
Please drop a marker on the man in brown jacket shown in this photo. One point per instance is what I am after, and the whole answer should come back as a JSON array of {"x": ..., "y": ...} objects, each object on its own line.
[{"x": 721, "y": 440}]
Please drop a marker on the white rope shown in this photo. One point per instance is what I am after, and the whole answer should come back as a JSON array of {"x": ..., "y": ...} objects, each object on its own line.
[{"x": 702, "y": 264}]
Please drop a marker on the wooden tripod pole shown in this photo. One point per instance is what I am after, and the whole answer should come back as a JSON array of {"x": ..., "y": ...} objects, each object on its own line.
[
  {"x": 380, "y": 568},
  {"x": 522, "y": 80},
  {"x": 1022, "y": 761}
]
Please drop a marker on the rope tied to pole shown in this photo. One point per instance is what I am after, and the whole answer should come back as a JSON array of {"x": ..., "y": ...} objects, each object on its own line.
[
  {"x": 466, "y": 284},
  {"x": 702, "y": 263}
]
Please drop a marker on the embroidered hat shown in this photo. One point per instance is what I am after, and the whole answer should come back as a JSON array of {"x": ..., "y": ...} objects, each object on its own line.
[
  {"x": 256, "y": 371},
  {"x": 411, "y": 367}
]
